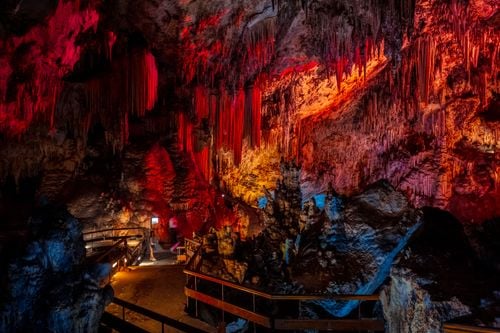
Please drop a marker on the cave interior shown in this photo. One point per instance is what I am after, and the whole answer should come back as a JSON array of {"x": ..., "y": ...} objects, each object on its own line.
[{"x": 312, "y": 147}]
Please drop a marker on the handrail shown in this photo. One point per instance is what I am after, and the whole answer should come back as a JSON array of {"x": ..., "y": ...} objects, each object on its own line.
[
  {"x": 270, "y": 321},
  {"x": 459, "y": 328},
  {"x": 282, "y": 297},
  {"x": 123, "y": 240},
  {"x": 111, "y": 229},
  {"x": 111, "y": 238},
  {"x": 238, "y": 311},
  {"x": 164, "y": 320},
  {"x": 120, "y": 325},
  {"x": 103, "y": 232}
]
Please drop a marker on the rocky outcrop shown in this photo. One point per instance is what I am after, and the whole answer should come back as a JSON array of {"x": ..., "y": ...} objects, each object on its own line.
[
  {"x": 440, "y": 278},
  {"x": 46, "y": 286},
  {"x": 408, "y": 307},
  {"x": 357, "y": 250},
  {"x": 347, "y": 249}
]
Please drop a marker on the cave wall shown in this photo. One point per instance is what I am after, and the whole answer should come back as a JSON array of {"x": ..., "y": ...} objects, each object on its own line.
[
  {"x": 439, "y": 146},
  {"x": 355, "y": 95},
  {"x": 352, "y": 91}
]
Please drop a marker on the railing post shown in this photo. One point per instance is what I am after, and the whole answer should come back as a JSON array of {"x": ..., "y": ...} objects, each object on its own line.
[
  {"x": 359, "y": 314},
  {"x": 162, "y": 327},
  {"x": 253, "y": 309},
  {"x": 196, "y": 300},
  {"x": 123, "y": 313},
  {"x": 222, "y": 294}
]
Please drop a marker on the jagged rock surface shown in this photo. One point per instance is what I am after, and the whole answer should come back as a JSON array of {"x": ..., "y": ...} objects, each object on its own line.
[
  {"x": 440, "y": 278},
  {"x": 357, "y": 250},
  {"x": 409, "y": 308},
  {"x": 47, "y": 287}
]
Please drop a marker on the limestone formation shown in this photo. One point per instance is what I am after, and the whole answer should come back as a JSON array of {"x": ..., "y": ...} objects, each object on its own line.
[{"x": 47, "y": 286}]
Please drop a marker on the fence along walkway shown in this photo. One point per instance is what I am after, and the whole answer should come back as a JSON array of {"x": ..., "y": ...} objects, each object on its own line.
[
  {"x": 128, "y": 242},
  {"x": 459, "y": 328},
  {"x": 122, "y": 325},
  {"x": 264, "y": 319}
]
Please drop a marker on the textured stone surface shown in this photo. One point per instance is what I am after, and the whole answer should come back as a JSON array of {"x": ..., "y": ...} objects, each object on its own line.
[
  {"x": 409, "y": 308},
  {"x": 439, "y": 277},
  {"x": 353, "y": 92},
  {"x": 46, "y": 286},
  {"x": 358, "y": 249}
]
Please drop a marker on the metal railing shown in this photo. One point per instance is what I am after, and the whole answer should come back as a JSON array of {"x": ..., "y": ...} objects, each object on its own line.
[
  {"x": 165, "y": 321},
  {"x": 459, "y": 328},
  {"x": 262, "y": 303},
  {"x": 120, "y": 247},
  {"x": 103, "y": 234}
]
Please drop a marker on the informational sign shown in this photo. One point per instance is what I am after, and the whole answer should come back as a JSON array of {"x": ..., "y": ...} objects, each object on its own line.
[{"x": 155, "y": 220}]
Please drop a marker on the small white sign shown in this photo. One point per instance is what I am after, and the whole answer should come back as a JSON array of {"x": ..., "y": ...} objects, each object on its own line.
[{"x": 155, "y": 220}]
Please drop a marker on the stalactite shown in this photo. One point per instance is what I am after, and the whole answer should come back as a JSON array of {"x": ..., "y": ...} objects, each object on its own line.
[
  {"x": 476, "y": 41},
  {"x": 143, "y": 82},
  {"x": 110, "y": 42},
  {"x": 181, "y": 131},
  {"x": 185, "y": 134},
  {"x": 259, "y": 41},
  {"x": 346, "y": 40},
  {"x": 197, "y": 54},
  {"x": 50, "y": 57},
  {"x": 238, "y": 108},
  {"x": 201, "y": 102},
  {"x": 253, "y": 110},
  {"x": 131, "y": 89},
  {"x": 425, "y": 58},
  {"x": 203, "y": 163},
  {"x": 256, "y": 116}
]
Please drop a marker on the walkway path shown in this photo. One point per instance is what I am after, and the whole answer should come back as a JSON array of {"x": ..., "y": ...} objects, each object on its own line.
[{"x": 156, "y": 287}]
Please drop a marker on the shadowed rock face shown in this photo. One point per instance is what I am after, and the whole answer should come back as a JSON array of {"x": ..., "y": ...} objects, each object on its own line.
[
  {"x": 46, "y": 286},
  {"x": 440, "y": 277},
  {"x": 409, "y": 308}
]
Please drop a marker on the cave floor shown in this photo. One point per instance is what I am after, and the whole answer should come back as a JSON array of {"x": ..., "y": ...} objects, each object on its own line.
[{"x": 159, "y": 288}]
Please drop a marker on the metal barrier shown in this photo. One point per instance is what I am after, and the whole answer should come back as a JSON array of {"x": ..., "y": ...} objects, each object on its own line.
[
  {"x": 459, "y": 328},
  {"x": 113, "y": 322},
  {"x": 262, "y": 304},
  {"x": 102, "y": 234},
  {"x": 164, "y": 320},
  {"x": 118, "y": 246}
]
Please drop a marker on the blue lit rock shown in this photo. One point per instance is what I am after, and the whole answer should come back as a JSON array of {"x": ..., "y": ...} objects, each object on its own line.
[
  {"x": 48, "y": 287},
  {"x": 359, "y": 248}
]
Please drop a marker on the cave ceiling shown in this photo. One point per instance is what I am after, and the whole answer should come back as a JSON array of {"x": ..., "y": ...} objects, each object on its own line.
[{"x": 353, "y": 91}]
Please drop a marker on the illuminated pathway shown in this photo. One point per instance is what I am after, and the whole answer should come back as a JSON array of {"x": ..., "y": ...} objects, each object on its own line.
[{"x": 159, "y": 288}]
